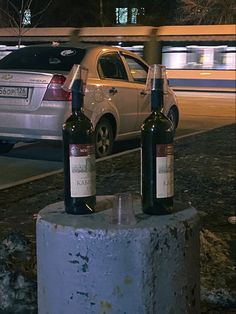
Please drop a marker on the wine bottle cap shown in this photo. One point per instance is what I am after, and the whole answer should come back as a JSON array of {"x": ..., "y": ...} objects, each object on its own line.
[
  {"x": 156, "y": 77},
  {"x": 77, "y": 73}
]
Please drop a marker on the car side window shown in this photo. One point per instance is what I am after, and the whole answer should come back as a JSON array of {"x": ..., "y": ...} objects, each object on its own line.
[
  {"x": 110, "y": 66},
  {"x": 138, "y": 69}
]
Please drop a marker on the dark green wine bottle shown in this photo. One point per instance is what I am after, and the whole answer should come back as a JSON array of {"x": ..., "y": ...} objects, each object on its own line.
[
  {"x": 157, "y": 134},
  {"x": 79, "y": 157}
]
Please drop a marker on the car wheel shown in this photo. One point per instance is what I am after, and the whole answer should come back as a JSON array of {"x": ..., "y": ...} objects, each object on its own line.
[
  {"x": 5, "y": 147},
  {"x": 173, "y": 116},
  {"x": 104, "y": 138}
]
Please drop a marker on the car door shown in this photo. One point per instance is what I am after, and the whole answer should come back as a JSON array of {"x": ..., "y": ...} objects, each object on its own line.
[
  {"x": 138, "y": 71},
  {"x": 119, "y": 91}
]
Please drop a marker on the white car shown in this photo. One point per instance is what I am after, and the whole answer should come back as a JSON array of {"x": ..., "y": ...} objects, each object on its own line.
[{"x": 33, "y": 105}]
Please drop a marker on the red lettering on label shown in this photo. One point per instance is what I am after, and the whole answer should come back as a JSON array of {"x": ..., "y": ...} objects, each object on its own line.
[
  {"x": 77, "y": 150},
  {"x": 163, "y": 150}
]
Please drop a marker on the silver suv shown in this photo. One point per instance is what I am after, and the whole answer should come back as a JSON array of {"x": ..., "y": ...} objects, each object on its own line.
[{"x": 33, "y": 105}]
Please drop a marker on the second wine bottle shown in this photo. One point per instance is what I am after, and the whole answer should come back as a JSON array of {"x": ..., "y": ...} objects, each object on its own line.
[{"x": 157, "y": 133}]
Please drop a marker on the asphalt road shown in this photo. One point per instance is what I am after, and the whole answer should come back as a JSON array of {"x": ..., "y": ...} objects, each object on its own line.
[{"x": 199, "y": 112}]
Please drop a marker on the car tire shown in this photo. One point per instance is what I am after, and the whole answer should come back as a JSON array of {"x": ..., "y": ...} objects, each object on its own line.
[
  {"x": 173, "y": 116},
  {"x": 104, "y": 138},
  {"x": 5, "y": 147}
]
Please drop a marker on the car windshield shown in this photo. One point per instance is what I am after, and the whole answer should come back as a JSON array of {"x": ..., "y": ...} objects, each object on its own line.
[{"x": 43, "y": 58}]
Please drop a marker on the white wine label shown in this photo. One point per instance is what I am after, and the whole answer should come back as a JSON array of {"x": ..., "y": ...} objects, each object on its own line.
[
  {"x": 164, "y": 170},
  {"x": 82, "y": 170}
]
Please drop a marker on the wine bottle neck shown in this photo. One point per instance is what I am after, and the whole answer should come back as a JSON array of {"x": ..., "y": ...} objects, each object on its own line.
[
  {"x": 77, "y": 101},
  {"x": 157, "y": 100}
]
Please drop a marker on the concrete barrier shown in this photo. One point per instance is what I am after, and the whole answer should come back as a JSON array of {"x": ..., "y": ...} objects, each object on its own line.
[{"x": 86, "y": 265}]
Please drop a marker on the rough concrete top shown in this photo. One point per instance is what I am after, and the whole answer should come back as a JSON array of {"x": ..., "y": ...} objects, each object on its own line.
[{"x": 55, "y": 214}]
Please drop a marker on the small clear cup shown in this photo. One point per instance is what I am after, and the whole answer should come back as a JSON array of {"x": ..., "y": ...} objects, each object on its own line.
[{"x": 122, "y": 211}]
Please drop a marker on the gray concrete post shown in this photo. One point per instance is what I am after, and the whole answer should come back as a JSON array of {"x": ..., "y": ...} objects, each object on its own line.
[{"x": 85, "y": 265}]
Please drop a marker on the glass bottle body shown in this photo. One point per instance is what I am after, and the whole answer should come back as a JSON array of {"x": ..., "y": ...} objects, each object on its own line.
[
  {"x": 79, "y": 164},
  {"x": 157, "y": 135}
]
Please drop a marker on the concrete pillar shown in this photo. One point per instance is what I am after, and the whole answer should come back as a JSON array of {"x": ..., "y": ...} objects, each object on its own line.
[{"x": 87, "y": 266}]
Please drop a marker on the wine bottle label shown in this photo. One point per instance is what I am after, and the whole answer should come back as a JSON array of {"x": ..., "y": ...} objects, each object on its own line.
[
  {"x": 82, "y": 170},
  {"x": 164, "y": 170}
]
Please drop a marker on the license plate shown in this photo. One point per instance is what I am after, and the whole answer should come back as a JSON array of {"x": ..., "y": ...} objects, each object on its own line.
[{"x": 13, "y": 92}]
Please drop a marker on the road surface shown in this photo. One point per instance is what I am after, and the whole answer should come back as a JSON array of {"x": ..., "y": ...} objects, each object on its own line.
[{"x": 198, "y": 112}]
